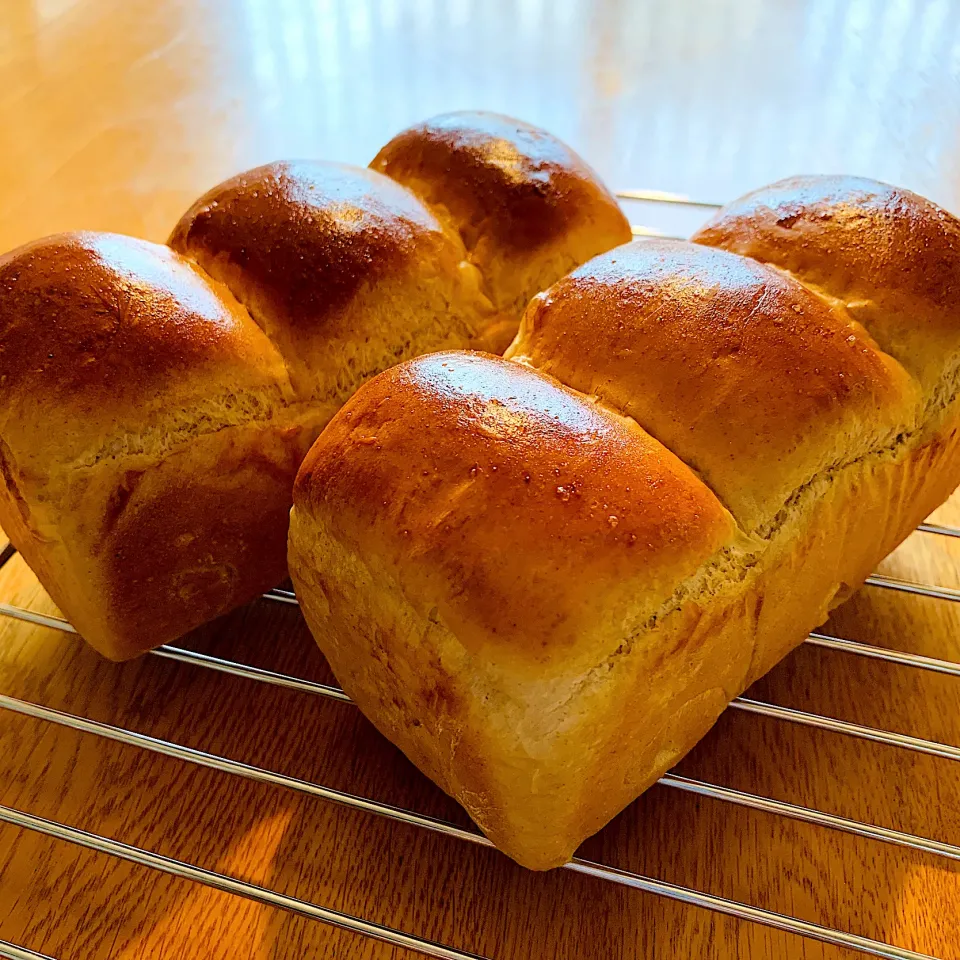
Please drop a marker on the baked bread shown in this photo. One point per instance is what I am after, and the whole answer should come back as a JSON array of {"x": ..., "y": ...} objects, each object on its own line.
[
  {"x": 158, "y": 400},
  {"x": 343, "y": 269},
  {"x": 148, "y": 431},
  {"x": 545, "y": 577},
  {"x": 526, "y": 207}
]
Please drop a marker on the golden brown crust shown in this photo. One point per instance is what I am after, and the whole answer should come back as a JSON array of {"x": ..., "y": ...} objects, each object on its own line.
[
  {"x": 828, "y": 451},
  {"x": 311, "y": 233},
  {"x": 138, "y": 554},
  {"x": 892, "y": 257},
  {"x": 344, "y": 269},
  {"x": 747, "y": 376},
  {"x": 158, "y": 403},
  {"x": 520, "y": 183},
  {"x": 527, "y": 207},
  {"x": 542, "y": 752},
  {"x": 148, "y": 440},
  {"x": 190, "y": 538},
  {"x": 469, "y": 476},
  {"x": 103, "y": 336}
]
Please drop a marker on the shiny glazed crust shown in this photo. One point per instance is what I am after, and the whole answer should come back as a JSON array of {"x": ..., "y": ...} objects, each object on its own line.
[
  {"x": 724, "y": 360},
  {"x": 890, "y": 256},
  {"x": 345, "y": 270},
  {"x": 527, "y": 208},
  {"x": 148, "y": 438},
  {"x": 158, "y": 402},
  {"x": 461, "y": 538}
]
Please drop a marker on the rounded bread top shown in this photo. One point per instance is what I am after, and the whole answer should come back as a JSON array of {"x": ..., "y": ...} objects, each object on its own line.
[
  {"x": 891, "y": 257},
  {"x": 103, "y": 337},
  {"x": 311, "y": 248},
  {"x": 521, "y": 199},
  {"x": 460, "y": 474}
]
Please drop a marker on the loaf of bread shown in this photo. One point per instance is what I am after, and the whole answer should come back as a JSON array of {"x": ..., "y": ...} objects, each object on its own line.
[
  {"x": 158, "y": 400},
  {"x": 545, "y": 577}
]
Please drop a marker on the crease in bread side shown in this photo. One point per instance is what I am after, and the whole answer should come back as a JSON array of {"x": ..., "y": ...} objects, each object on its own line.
[
  {"x": 728, "y": 570},
  {"x": 111, "y": 484},
  {"x": 158, "y": 440},
  {"x": 121, "y": 460}
]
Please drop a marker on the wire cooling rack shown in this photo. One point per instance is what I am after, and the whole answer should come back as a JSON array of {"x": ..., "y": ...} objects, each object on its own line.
[{"x": 600, "y": 871}]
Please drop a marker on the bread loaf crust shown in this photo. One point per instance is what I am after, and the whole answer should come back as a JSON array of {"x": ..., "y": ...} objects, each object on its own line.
[
  {"x": 543, "y": 740},
  {"x": 148, "y": 438},
  {"x": 889, "y": 256},
  {"x": 528, "y": 209},
  {"x": 345, "y": 270}
]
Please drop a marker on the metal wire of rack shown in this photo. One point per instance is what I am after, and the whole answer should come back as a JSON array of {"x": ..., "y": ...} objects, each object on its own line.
[{"x": 628, "y": 879}]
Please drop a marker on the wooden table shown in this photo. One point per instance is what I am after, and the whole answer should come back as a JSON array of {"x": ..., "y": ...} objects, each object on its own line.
[{"x": 115, "y": 115}]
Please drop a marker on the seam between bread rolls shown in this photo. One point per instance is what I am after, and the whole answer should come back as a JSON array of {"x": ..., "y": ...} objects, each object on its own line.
[
  {"x": 948, "y": 386},
  {"x": 451, "y": 329},
  {"x": 424, "y": 191},
  {"x": 157, "y": 441},
  {"x": 218, "y": 281},
  {"x": 472, "y": 236},
  {"x": 780, "y": 526}
]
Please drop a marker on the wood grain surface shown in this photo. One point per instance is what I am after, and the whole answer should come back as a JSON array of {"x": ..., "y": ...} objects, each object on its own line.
[{"x": 115, "y": 114}]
